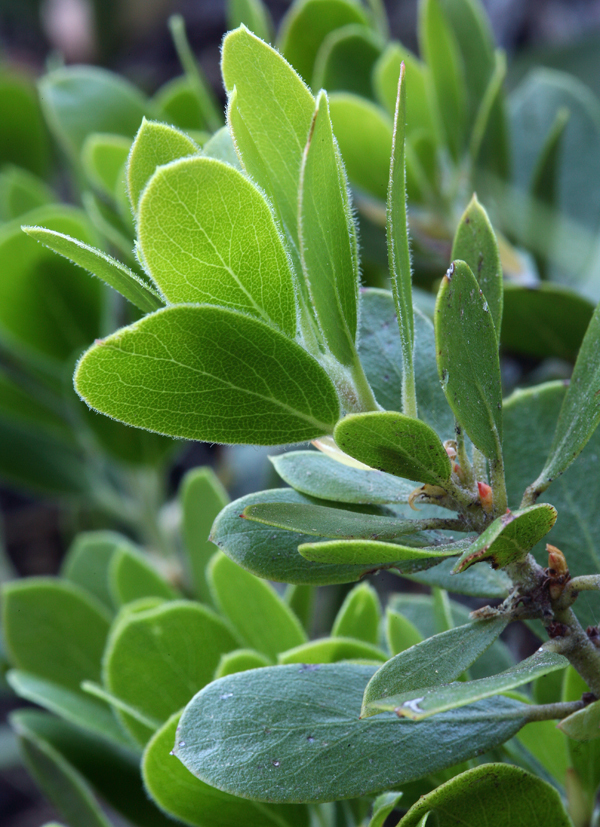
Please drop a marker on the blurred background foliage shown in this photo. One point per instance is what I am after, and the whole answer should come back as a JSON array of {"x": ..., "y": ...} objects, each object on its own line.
[{"x": 64, "y": 469}]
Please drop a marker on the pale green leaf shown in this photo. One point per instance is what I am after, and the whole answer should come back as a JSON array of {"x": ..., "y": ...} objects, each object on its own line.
[
  {"x": 318, "y": 475},
  {"x": 441, "y": 52},
  {"x": 202, "y": 497},
  {"x": 259, "y": 616},
  {"x": 240, "y": 660},
  {"x": 253, "y": 14},
  {"x": 87, "y": 562},
  {"x": 366, "y": 151},
  {"x": 307, "y": 24},
  {"x": 273, "y": 553},
  {"x": 400, "y": 633},
  {"x": 301, "y": 726},
  {"x": 207, "y": 235},
  {"x": 491, "y": 794},
  {"x": 372, "y": 553},
  {"x": 396, "y": 444},
  {"x": 221, "y": 146},
  {"x": 383, "y": 806},
  {"x": 220, "y": 377},
  {"x": 54, "y": 629},
  {"x": 157, "y": 659},
  {"x": 510, "y": 537},
  {"x": 328, "y": 245},
  {"x": 345, "y": 60},
  {"x": 155, "y": 144},
  {"x": 176, "y": 103},
  {"x": 468, "y": 363},
  {"x": 191, "y": 801},
  {"x": 131, "y": 576},
  {"x": 420, "y": 703},
  {"x": 481, "y": 581},
  {"x": 113, "y": 272},
  {"x": 432, "y": 662},
  {"x": 359, "y": 615},
  {"x": 331, "y": 650},
  {"x": 386, "y": 74},
  {"x": 475, "y": 243},
  {"x": 583, "y": 725},
  {"x": 102, "y": 157}
]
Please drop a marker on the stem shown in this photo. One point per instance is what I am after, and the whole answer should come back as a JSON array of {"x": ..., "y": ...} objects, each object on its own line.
[
  {"x": 579, "y": 649},
  {"x": 409, "y": 391},
  {"x": 364, "y": 393},
  {"x": 550, "y": 712},
  {"x": 466, "y": 468},
  {"x": 500, "y": 501}
]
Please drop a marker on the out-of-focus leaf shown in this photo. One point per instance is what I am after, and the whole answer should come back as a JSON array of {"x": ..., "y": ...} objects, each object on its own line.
[
  {"x": 386, "y": 74},
  {"x": 87, "y": 562},
  {"x": 20, "y": 192},
  {"x": 345, "y": 60},
  {"x": 359, "y": 615},
  {"x": 331, "y": 650},
  {"x": 103, "y": 157},
  {"x": 240, "y": 660},
  {"x": 253, "y": 14},
  {"x": 131, "y": 576},
  {"x": 23, "y": 136}
]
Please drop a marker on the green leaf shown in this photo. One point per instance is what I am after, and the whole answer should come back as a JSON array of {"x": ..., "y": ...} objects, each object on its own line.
[
  {"x": 198, "y": 83},
  {"x": 386, "y": 74},
  {"x": 176, "y": 103},
  {"x": 452, "y": 652},
  {"x": 359, "y": 615},
  {"x": 202, "y": 497},
  {"x": 24, "y": 140},
  {"x": 345, "y": 60},
  {"x": 544, "y": 320},
  {"x": 533, "y": 108},
  {"x": 103, "y": 157},
  {"x": 328, "y": 245},
  {"x": 221, "y": 147},
  {"x": 490, "y": 794},
  {"x": 335, "y": 523},
  {"x": 580, "y": 410},
  {"x": 530, "y": 422},
  {"x": 87, "y": 562},
  {"x": 112, "y": 227},
  {"x": 112, "y": 772},
  {"x": 259, "y": 616},
  {"x": 468, "y": 364},
  {"x": 584, "y": 756},
  {"x": 273, "y": 553},
  {"x": 79, "y": 100},
  {"x": 475, "y": 243},
  {"x": 441, "y": 52},
  {"x": 191, "y": 801},
  {"x": 155, "y": 144},
  {"x": 399, "y": 252},
  {"x": 60, "y": 781},
  {"x": 224, "y": 377},
  {"x": 331, "y": 650},
  {"x": 545, "y": 743},
  {"x": 47, "y": 309},
  {"x": 583, "y": 725},
  {"x": 372, "y": 553},
  {"x": 318, "y": 475},
  {"x": 131, "y": 576},
  {"x": 269, "y": 135},
  {"x": 396, "y": 444},
  {"x": 383, "y": 806},
  {"x": 420, "y": 703},
  {"x": 156, "y": 659},
  {"x": 85, "y": 712},
  {"x": 317, "y": 712},
  {"x": 20, "y": 192},
  {"x": 482, "y": 581},
  {"x": 366, "y": 151},
  {"x": 54, "y": 630},
  {"x": 307, "y": 24},
  {"x": 196, "y": 252},
  {"x": 253, "y": 14},
  {"x": 399, "y": 632},
  {"x": 240, "y": 660},
  {"x": 380, "y": 352},
  {"x": 510, "y": 537},
  {"x": 113, "y": 272}
]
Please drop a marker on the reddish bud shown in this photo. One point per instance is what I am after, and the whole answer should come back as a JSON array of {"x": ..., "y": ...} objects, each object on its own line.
[
  {"x": 557, "y": 564},
  {"x": 485, "y": 496}
]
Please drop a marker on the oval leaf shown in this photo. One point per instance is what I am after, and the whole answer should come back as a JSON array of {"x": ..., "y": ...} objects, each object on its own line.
[
  {"x": 372, "y": 553},
  {"x": 396, "y": 444},
  {"x": 211, "y": 374}
]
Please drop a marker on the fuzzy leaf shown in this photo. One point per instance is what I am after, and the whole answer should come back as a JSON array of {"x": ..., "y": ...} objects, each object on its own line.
[
  {"x": 155, "y": 144},
  {"x": 396, "y": 444},
  {"x": 328, "y": 245},
  {"x": 475, "y": 243},
  {"x": 189, "y": 800},
  {"x": 510, "y": 537},
  {"x": 452, "y": 652},
  {"x": 372, "y": 553},
  {"x": 420, "y": 703},
  {"x": 491, "y": 794},
  {"x": 299, "y": 725},
  {"x": 468, "y": 363},
  {"x": 113, "y": 272},
  {"x": 259, "y": 616},
  {"x": 220, "y": 377},
  {"x": 208, "y": 236}
]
